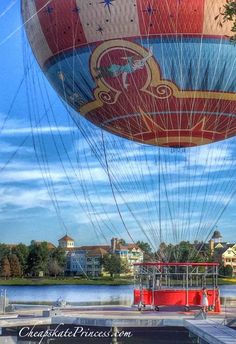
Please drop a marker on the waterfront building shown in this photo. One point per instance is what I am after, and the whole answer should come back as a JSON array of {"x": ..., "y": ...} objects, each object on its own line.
[
  {"x": 229, "y": 258},
  {"x": 76, "y": 262},
  {"x": 83, "y": 260},
  {"x": 128, "y": 253},
  {"x": 87, "y": 260},
  {"x": 216, "y": 241},
  {"x": 94, "y": 261}
]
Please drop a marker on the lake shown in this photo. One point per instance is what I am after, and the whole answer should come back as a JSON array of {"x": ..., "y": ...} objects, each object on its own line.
[
  {"x": 89, "y": 294},
  {"x": 85, "y": 294}
]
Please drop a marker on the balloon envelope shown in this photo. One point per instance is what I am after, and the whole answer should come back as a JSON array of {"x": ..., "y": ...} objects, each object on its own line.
[{"x": 156, "y": 72}]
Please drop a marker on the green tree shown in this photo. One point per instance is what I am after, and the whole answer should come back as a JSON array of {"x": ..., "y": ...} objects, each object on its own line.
[
  {"x": 165, "y": 252},
  {"x": 228, "y": 13},
  {"x": 226, "y": 271},
  {"x": 15, "y": 266},
  {"x": 146, "y": 248},
  {"x": 122, "y": 242},
  {"x": 112, "y": 264},
  {"x": 38, "y": 258},
  {"x": 5, "y": 267},
  {"x": 58, "y": 254},
  {"x": 22, "y": 252},
  {"x": 184, "y": 252},
  {"x": 4, "y": 251}
]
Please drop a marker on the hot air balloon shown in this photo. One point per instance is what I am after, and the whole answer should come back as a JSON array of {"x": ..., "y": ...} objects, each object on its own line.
[{"x": 160, "y": 73}]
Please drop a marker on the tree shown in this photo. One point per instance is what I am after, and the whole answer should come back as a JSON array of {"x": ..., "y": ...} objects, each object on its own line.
[
  {"x": 112, "y": 264},
  {"x": 38, "y": 258},
  {"x": 15, "y": 266},
  {"x": 165, "y": 252},
  {"x": 54, "y": 268},
  {"x": 59, "y": 255},
  {"x": 228, "y": 13},
  {"x": 122, "y": 242},
  {"x": 4, "y": 251},
  {"x": 226, "y": 271},
  {"x": 184, "y": 252},
  {"x": 146, "y": 248},
  {"x": 5, "y": 267},
  {"x": 22, "y": 252}
]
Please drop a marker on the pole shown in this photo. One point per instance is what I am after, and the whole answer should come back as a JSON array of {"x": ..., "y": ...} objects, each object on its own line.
[
  {"x": 4, "y": 300},
  {"x": 153, "y": 285},
  {"x": 159, "y": 200},
  {"x": 187, "y": 288}
]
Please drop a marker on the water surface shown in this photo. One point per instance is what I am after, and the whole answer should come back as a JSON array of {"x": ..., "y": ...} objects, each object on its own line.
[{"x": 85, "y": 294}]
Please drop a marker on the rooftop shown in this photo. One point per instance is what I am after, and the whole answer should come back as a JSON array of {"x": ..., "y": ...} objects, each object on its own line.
[
  {"x": 66, "y": 238},
  {"x": 50, "y": 246},
  {"x": 127, "y": 247},
  {"x": 216, "y": 235},
  {"x": 94, "y": 247}
]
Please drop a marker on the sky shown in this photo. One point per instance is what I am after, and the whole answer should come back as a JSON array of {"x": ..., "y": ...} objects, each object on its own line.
[{"x": 54, "y": 179}]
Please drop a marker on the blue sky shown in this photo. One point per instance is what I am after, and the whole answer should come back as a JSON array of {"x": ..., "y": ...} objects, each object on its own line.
[{"x": 54, "y": 178}]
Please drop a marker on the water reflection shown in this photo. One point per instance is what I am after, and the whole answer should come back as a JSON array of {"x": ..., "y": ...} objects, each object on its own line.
[
  {"x": 73, "y": 294},
  {"x": 84, "y": 294}
]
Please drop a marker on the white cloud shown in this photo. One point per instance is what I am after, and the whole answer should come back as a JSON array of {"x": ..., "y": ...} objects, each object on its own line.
[
  {"x": 24, "y": 198},
  {"x": 37, "y": 130},
  {"x": 6, "y": 147}
]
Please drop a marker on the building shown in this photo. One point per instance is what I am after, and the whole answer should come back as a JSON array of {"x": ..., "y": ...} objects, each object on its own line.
[
  {"x": 66, "y": 242},
  {"x": 128, "y": 253},
  {"x": 83, "y": 260},
  {"x": 76, "y": 262},
  {"x": 229, "y": 258},
  {"x": 223, "y": 252},
  {"x": 94, "y": 261},
  {"x": 216, "y": 241},
  {"x": 87, "y": 260}
]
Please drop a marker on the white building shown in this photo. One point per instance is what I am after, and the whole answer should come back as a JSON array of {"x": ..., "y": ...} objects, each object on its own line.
[
  {"x": 87, "y": 260},
  {"x": 128, "y": 253},
  {"x": 229, "y": 258}
]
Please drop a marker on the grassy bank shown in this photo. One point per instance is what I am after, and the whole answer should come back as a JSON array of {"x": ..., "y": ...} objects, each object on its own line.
[
  {"x": 83, "y": 281},
  {"x": 66, "y": 281},
  {"x": 227, "y": 280}
]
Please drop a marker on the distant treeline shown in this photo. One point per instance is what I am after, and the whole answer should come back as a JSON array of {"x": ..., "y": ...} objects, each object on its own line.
[{"x": 32, "y": 261}]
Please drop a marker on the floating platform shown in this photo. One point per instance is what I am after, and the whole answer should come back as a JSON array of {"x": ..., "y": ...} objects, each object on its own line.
[{"x": 210, "y": 330}]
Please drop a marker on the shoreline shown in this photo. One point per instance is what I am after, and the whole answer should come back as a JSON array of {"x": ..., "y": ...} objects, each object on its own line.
[
  {"x": 80, "y": 281},
  {"x": 64, "y": 281}
]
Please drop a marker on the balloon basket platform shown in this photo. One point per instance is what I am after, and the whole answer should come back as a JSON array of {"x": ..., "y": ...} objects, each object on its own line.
[{"x": 176, "y": 285}]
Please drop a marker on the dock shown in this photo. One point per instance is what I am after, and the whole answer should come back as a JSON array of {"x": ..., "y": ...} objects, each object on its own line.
[
  {"x": 207, "y": 331},
  {"x": 210, "y": 332}
]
